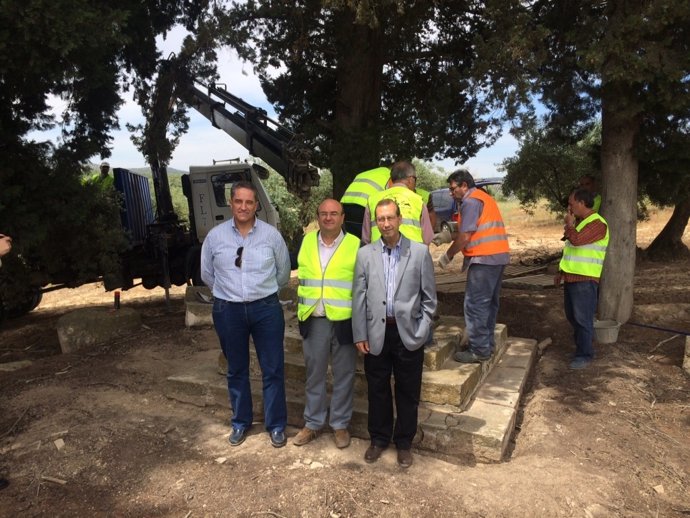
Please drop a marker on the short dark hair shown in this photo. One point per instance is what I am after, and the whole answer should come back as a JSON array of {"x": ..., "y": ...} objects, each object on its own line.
[
  {"x": 243, "y": 184},
  {"x": 461, "y": 176},
  {"x": 583, "y": 195},
  {"x": 401, "y": 170},
  {"x": 387, "y": 201}
]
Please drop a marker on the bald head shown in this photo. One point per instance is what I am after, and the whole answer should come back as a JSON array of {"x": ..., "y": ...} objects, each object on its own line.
[{"x": 330, "y": 218}]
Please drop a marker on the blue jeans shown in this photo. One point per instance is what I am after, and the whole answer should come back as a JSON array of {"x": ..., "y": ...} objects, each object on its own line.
[
  {"x": 482, "y": 295},
  {"x": 263, "y": 320},
  {"x": 580, "y": 300}
]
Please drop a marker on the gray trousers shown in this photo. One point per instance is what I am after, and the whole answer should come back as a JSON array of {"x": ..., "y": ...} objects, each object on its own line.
[{"x": 319, "y": 344}]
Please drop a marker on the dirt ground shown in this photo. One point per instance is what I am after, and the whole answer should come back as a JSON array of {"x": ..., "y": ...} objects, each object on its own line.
[{"x": 611, "y": 440}]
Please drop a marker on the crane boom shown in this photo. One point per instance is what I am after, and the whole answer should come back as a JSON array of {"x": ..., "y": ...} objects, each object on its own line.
[{"x": 264, "y": 138}]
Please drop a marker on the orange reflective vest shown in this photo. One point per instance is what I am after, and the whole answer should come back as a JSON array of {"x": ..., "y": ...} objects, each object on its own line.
[{"x": 490, "y": 238}]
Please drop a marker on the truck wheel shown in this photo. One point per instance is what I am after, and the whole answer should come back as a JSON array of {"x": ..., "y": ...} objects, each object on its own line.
[{"x": 22, "y": 304}]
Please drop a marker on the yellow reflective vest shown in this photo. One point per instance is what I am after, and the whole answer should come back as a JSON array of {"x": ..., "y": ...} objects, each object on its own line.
[
  {"x": 424, "y": 194},
  {"x": 332, "y": 284},
  {"x": 365, "y": 184},
  {"x": 585, "y": 259},
  {"x": 411, "y": 205}
]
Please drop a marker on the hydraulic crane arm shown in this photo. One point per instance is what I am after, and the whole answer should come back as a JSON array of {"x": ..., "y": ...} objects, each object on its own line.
[{"x": 263, "y": 137}]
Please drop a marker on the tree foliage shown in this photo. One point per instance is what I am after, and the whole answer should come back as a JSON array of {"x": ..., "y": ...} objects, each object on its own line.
[
  {"x": 372, "y": 82},
  {"x": 83, "y": 53}
]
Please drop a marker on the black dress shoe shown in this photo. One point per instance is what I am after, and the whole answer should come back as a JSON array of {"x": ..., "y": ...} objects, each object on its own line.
[
  {"x": 373, "y": 453},
  {"x": 238, "y": 436},
  {"x": 404, "y": 458},
  {"x": 4, "y": 483},
  {"x": 278, "y": 438}
]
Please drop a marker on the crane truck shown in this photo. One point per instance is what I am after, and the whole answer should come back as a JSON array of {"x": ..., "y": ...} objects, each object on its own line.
[{"x": 163, "y": 251}]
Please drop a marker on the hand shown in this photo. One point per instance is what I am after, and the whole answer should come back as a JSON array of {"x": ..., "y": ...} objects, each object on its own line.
[
  {"x": 557, "y": 279},
  {"x": 442, "y": 237},
  {"x": 444, "y": 260},
  {"x": 5, "y": 244},
  {"x": 569, "y": 219},
  {"x": 362, "y": 346}
]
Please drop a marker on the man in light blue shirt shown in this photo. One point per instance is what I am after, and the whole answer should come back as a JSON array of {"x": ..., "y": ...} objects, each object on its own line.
[{"x": 245, "y": 262}]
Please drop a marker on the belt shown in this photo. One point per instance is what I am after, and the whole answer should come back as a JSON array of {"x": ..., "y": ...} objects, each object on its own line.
[{"x": 390, "y": 321}]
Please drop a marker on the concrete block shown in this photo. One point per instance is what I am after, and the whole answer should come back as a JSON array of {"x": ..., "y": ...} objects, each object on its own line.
[
  {"x": 503, "y": 386},
  {"x": 198, "y": 313},
  {"x": 84, "y": 328},
  {"x": 450, "y": 386},
  {"x": 486, "y": 429},
  {"x": 519, "y": 354}
]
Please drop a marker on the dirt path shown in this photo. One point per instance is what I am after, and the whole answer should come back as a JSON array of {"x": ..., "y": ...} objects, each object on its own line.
[{"x": 609, "y": 441}]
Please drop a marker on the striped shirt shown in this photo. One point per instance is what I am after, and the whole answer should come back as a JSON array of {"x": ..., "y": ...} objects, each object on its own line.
[
  {"x": 263, "y": 270},
  {"x": 390, "y": 257}
]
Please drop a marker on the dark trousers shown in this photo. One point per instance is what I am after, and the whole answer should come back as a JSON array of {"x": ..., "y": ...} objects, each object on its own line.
[
  {"x": 406, "y": 367},
  {"x": 580, "y": 308}
]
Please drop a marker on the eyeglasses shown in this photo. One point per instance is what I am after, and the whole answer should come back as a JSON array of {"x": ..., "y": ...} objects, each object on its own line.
[
  {"x": 238, "y": 261},
  {"x": 452, "y": 188}
]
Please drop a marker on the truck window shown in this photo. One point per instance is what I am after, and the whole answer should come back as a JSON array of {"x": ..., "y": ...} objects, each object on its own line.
[{"x": 222, "y": 184}]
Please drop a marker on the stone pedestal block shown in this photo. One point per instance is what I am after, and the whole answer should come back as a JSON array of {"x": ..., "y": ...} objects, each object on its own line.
[{"x": 85, "y": 328}]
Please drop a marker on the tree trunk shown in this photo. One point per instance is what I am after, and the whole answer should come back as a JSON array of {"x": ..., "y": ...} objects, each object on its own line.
[
  {"x": 669, "y": 243},
  {"x": 356, "y": 141},
  {"x": 619, "y": 205}
]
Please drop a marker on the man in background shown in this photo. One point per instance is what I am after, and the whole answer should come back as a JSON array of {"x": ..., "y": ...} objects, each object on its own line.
[
  {"x": 483, "y": 241},
  {"x": 587, "y": 238}
]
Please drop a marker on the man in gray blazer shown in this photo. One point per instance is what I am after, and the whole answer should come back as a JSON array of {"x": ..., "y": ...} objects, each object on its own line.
[{"x": 393, "y": 300}]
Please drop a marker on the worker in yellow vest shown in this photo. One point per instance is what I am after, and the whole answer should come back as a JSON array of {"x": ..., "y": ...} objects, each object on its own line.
[
  {"x": 416, "y": 224},
  {"x": 587, "y": 238},
  {"x": 483, "y": 241},
  {"x": 326, "y": 265},
  {"x": 356, "y": 197}
]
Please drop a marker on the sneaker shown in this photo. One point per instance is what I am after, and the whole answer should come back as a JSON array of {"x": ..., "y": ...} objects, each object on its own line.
[
  {"x": 579, "y": 363},
  {"x": 304, "y": 436},
  {"x": 278, "y": 438},
  {"x": 238, "y": 436},
  {"x": 342, "y": 438},
  {"x": 469, "y": 357}
]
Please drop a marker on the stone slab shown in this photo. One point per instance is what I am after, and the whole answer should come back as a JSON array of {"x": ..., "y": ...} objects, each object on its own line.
[
  {"x": 14, "y": 366},
  {"x": 450, "y": 386},
  {"x": 85, "y": 328}
]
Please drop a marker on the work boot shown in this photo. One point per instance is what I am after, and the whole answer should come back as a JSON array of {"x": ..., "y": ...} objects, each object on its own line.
[
  {"x": 342, "y": 438},
  {"x": 304, "y": 436}
]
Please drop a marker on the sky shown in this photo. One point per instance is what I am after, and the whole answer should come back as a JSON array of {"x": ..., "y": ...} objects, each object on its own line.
[{"x": 203, "y": 143}]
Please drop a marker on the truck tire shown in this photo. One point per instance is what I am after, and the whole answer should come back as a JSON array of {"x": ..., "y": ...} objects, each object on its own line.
[{"x": 22, "y": 304}]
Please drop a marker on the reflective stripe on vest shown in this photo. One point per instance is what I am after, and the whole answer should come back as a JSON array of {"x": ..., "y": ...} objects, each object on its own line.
[
  {"x": 365, "y": 184},
  {"x": 490, "y": 238},
  {"x": 587, "y": 260},
  {"x": 411, "y": 206},
  {"x": 332, "y": 285}
]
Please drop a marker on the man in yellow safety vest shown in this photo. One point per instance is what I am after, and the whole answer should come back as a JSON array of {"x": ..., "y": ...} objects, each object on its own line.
[{"x": 587, "y": 238}]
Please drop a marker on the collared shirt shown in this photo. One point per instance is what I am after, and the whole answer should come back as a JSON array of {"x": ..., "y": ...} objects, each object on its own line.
[
  {"x": 470, "y": 210},
  {"x": 265, "y": 266},
  {"x": 390, "y": 258},
  {"x": 325, "y": 254},
  {"x": 590, "y": 233}
]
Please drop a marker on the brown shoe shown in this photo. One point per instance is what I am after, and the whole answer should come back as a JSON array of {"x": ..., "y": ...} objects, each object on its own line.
[
  {"x": 404, "y": 458},
  {"x": 373, "y": 453},
  {"x": 304, "y": 436},
  {"x": 342, "y": 438}
]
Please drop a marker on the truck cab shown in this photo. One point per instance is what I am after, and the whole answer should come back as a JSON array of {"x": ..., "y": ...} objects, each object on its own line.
[{"x": 207, "y": 189}]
